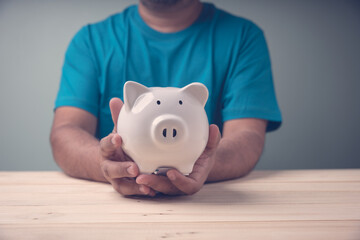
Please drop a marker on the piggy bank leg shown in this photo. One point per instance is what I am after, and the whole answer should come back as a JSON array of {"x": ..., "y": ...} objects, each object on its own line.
[
  {"x": 146, "y": 169},
  {"x": 186, "y": 170}
]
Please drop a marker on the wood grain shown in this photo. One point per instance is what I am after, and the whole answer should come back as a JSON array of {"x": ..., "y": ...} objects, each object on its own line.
[{"x": 299, "y": 204}]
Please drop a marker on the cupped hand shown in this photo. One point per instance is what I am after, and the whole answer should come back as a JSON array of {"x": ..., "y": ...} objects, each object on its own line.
[
  {"x": 116, "y": 166},
  {"x": 175, "y": 183}
]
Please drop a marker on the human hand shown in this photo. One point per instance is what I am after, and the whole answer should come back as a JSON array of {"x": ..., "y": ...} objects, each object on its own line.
[
  {"x": 116, "y": 166},
  {"x": 175, "y": 183}
]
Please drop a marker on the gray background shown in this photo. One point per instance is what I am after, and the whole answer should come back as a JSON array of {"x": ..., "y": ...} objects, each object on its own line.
[{"x": 315, "y": 51}]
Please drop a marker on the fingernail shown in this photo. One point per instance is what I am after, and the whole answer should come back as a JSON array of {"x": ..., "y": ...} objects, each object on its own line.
[
  {"x": 113, "y": 140},
  {"x": 131, "y": 170},
  {"x": 140, "y": 180},
  {"x": 171, "y": 176}
]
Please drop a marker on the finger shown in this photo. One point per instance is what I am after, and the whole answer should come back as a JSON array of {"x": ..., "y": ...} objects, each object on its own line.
[
  {"x": 110, "y": 147},
  {"x": 128, "y": 187},
  {"x": 112, "y": 170},
  {"x": 158, "y": 183},
  {"x": 214, "y": 138},
  {"x": 205, "y": 163},
  {"x": 115, "y": 107},
  {"x": 185, "y": 184},
  {"x": 202, "y": 166}
]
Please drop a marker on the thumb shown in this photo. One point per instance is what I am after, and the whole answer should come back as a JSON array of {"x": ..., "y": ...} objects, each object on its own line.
[
  {"x": 214, "y": 138},
  {"x": 115, "y": 107}
]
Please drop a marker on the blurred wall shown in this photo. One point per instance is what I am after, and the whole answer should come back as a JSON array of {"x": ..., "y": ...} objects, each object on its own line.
[{"x": 315, "y": 51}]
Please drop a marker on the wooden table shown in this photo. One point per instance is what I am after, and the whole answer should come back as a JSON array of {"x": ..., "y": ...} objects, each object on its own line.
[{"x": 301, "y": 204}]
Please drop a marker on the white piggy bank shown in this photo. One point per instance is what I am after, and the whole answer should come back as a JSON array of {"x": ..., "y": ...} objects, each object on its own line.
[{"x": 164, "y": 127}]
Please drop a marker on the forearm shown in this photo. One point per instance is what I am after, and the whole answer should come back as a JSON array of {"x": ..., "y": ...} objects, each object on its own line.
[
  {"x": 237, "y": 155},
  {"x": 76, "y": 152}
]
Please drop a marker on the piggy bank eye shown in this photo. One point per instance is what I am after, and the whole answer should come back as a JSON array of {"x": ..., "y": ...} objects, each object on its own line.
[
  {"x": 158, "y": 102},
  {"x": 180, "y": 102}
]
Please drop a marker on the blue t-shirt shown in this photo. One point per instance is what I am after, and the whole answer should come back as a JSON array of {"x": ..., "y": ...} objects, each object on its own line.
[{"x": 226, "y": 53}]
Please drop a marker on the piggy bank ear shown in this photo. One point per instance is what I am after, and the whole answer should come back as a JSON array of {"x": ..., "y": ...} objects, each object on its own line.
[
  {"x": 132, "y": 90},
  {"x": 197, "y": 90}
]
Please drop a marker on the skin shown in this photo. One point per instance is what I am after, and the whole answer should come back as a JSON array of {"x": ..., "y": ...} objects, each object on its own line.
[
  {"x": 169, "y": 15},
  {"x": 81, "y": 155}
]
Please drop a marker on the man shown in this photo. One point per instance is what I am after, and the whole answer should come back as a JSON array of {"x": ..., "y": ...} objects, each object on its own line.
[{"x": 164, "y": 43}]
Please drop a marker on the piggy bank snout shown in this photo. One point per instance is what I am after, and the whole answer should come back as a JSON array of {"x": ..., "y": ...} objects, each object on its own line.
[{"x": 168, "y": 130}]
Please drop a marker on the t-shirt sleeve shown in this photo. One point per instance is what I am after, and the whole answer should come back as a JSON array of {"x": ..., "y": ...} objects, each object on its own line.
[
  {"x": 79, "y": 80},
  {"x": 249, "y": 89}
]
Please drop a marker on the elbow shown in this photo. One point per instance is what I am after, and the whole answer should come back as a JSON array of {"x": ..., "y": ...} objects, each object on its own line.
[
  {"x": 52, "y": 138},
  {"x": 55, "y": 143}
]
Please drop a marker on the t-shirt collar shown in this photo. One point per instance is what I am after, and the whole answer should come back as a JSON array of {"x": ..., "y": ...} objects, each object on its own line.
[{"x": 205, "y": 15}]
